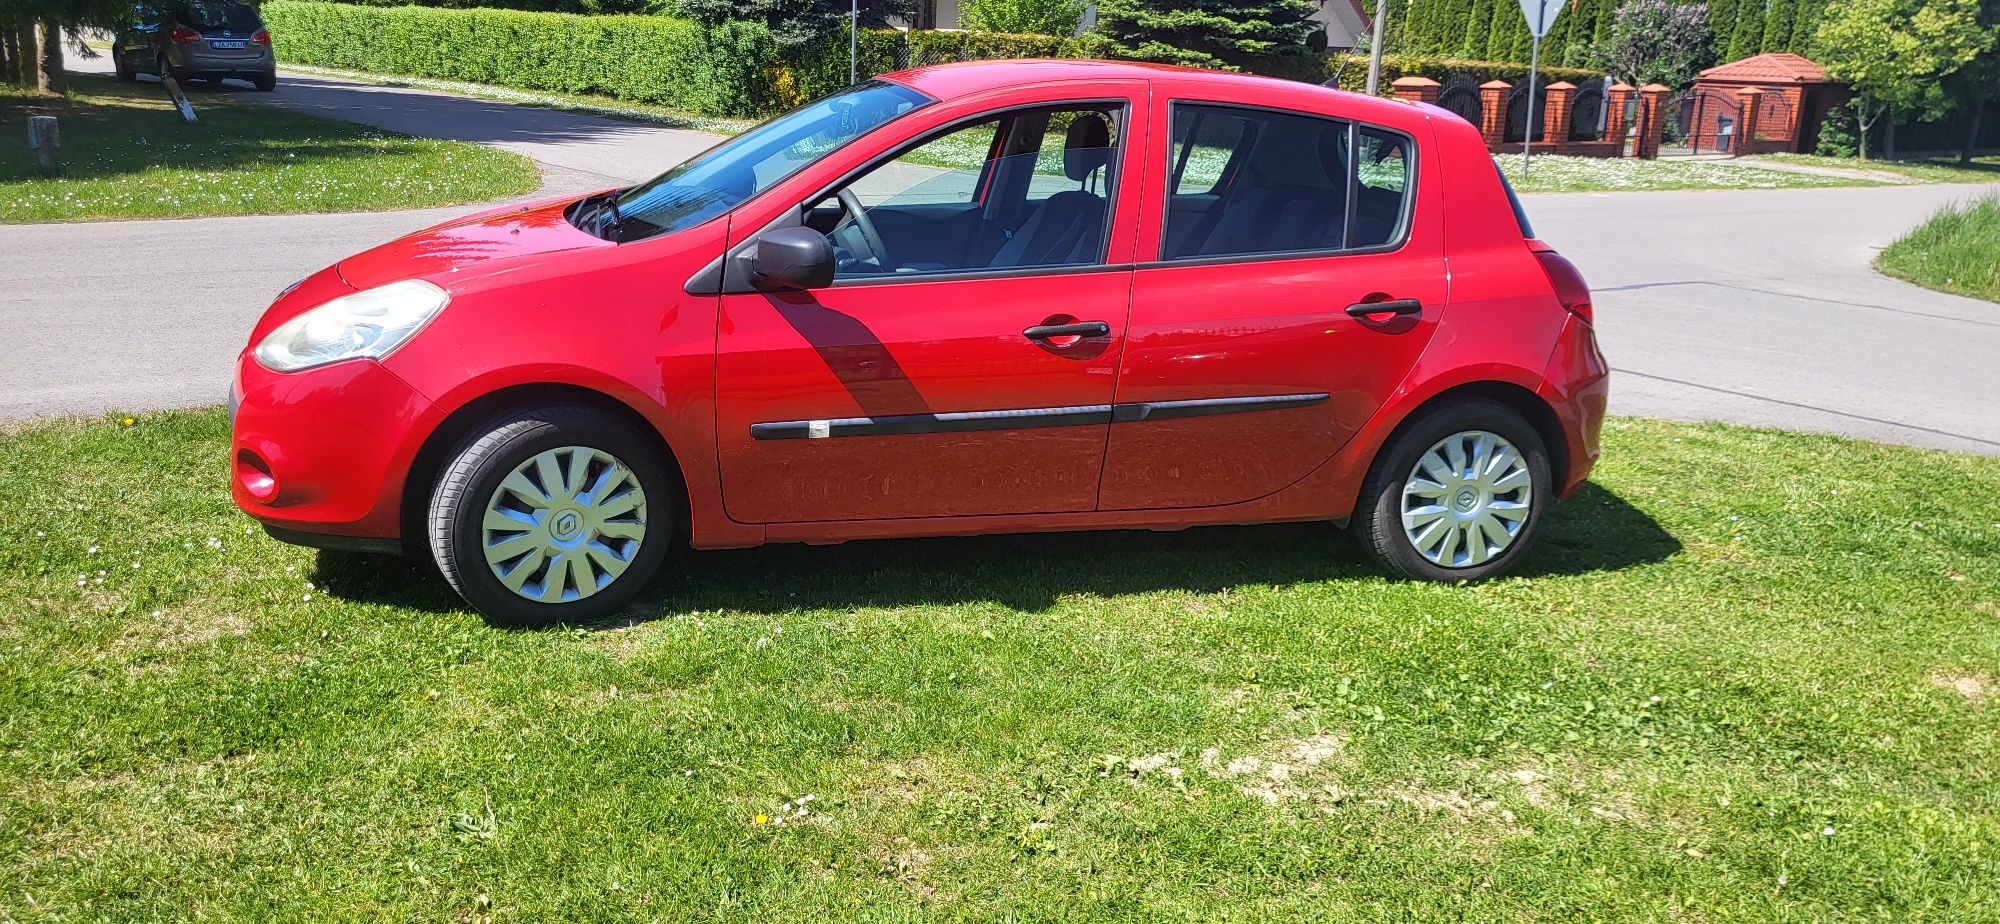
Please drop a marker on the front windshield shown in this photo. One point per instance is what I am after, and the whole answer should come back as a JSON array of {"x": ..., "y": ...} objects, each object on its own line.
[{"x": 748, "y": 164}]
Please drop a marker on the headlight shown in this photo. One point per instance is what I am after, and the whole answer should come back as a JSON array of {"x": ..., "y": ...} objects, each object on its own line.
[{"x": 371, "y": 323}]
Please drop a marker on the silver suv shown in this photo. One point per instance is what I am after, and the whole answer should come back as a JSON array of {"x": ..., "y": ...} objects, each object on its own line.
[{"x": 208, "y": 39}]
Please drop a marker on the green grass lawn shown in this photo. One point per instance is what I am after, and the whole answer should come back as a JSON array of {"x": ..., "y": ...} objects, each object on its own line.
[
  {"x": 1957, "y": 250},
  {"x": 127, "y": 155},
  {"x": 1748, "y": 676},
  {"x": 1943, "y": 169},
  {"x": 1554, "y": 173}
]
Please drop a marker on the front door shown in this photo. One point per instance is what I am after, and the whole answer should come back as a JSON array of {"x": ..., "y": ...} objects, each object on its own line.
[
  {"x": 1255, "y": 349},
  {"x": 963, "y": 360}
]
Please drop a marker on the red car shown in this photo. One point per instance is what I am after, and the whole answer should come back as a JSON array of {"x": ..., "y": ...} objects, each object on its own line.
[{"x": 977, "y": 298}]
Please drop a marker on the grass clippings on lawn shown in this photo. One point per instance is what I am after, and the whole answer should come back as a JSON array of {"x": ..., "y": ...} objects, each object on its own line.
[
  {"x": 127, "y": 155},
  {"x": 1740, "y": 680}
]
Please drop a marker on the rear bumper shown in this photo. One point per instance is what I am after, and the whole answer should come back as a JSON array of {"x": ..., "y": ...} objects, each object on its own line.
[
  {"x": 227, "y": 65},
  {"x": 1577, "y": 384}
]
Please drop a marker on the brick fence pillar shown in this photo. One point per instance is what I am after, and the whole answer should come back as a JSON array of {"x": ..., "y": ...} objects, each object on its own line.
[
  {"x": 1615, "y": 99},
  {"x": 1652, "y": 120},
  {"x": 1556, "y": 109},
  {"x": 1749, "y": 100},
  {"x": 1493, "y": 111},
  {"x": 1415, "y": 89}
]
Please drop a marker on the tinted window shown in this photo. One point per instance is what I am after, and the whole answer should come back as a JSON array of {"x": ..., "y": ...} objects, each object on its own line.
[
  {"x": 750, "y": 163},
  {"x": 233, "y": 16},
  {"x": 1028, "y": 189},
  {"x": 1385, "y": 170},
  {"x": 1247, "y": 181}
]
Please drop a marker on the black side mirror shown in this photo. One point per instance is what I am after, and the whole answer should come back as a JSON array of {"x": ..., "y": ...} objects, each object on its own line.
[{"x": 792, "y": 258}]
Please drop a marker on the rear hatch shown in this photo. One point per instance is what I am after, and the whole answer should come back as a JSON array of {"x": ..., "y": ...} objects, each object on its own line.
[{"x": 228, "y": 30}]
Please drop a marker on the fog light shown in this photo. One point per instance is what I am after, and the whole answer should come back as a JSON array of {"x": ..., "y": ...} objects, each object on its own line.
[{"x": 254, "y": 474}]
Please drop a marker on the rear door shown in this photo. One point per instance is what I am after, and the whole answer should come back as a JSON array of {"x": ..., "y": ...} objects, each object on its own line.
[
  {"x": 924, "y": 381},
  {"x": 1257, "y": 347}
]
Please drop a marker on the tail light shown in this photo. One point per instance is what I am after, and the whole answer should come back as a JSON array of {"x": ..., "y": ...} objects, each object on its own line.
[
  {"x": 263, "y": 37},
  {"x": 1570, "y": 287},
  {"x": 182, "y": 35}
]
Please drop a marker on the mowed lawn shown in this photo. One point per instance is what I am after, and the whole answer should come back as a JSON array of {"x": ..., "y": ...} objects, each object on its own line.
[
  {"x": 1957, "y": 251},
  {"x": 1749, "y": 676},
  {"x": 126, "y": 154}
]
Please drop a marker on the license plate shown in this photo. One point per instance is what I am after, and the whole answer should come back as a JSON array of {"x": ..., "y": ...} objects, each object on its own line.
[{"x": 213, "y": 43}]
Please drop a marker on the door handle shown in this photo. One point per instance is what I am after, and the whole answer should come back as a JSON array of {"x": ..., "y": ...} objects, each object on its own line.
[
  {"x": 1079, "y": 329},
  {"x": 1401, "y": 307}
]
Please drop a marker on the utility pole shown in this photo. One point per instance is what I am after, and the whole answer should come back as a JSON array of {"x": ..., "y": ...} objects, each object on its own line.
[
  {"x": 1540, "y": 16},
  {"x": 1375, "y": 48},
  {"x": 853, "y": 42}
]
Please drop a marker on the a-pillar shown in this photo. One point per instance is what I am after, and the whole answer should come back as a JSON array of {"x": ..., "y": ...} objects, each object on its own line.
[{"x": 1493, "y": 112}]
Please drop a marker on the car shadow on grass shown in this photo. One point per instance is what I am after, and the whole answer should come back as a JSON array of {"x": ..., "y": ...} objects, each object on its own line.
[{"x": 1594, "y": 531}]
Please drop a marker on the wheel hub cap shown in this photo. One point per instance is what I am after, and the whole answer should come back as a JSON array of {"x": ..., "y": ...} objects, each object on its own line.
[
  {"x": 564, "y": 524},
  {"x": 1467, "y": 499}
]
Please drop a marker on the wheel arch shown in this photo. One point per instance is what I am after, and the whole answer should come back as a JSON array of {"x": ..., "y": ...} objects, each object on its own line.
[
  {"x": 1519, "y": 399},
  {"x": 465, "y": 421}
]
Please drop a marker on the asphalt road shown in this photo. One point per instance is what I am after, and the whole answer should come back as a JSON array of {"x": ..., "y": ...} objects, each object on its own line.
[{"x": 1754, "y": 307}]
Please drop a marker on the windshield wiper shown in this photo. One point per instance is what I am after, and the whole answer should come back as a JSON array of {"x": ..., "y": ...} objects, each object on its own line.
[{"x": 610, "y": 207}]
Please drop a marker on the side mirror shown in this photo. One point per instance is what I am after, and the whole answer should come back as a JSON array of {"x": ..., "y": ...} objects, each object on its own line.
[{"x": 792, "y": 258}]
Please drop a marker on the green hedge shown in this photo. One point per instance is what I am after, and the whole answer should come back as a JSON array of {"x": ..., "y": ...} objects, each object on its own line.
[
  {"x": 1353, "y": 70},
  {"x": 734, "y": 69},
  {"x": 656, "y": 59}
]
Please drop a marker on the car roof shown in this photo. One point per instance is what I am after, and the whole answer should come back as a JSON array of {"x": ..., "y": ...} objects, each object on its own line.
[{"x": 950, "y": 81}]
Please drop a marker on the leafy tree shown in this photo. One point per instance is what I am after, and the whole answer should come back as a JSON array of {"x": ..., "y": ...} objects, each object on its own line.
[
  {"x": 1658, "y": 41},
  {"x": 1231, "y": 34},
  {"x": 1898, "y": 56},
  {"x": 1978, "y": 82},
  {"x": 1035, "y": 17},
  {"x": 796, "y": 22},
  {"x": 1749, "y": 32}
]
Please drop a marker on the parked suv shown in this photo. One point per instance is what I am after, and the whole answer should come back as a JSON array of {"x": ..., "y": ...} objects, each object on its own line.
[
  {"x": 201, "y": 38},
  {"x": 975, "y": 298}
]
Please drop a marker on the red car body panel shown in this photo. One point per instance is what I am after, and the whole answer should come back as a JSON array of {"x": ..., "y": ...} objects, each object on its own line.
[{"x": 538, "y": 306}]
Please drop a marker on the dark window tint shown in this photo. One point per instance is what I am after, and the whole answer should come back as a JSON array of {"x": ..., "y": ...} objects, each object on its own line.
[
  {"x": 1027, "y": 189},
  {"x": 1385, "y": 171},
  {"x": 232, "y": 16},
  {"x": 1248, "y": 181}
]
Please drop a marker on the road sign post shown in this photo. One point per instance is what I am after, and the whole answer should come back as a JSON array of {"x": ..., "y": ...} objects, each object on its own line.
[{"x": 1541, "y": 14}]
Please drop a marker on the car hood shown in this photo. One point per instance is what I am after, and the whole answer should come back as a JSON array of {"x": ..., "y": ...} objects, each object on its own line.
[{"x": 469, "y": 243}]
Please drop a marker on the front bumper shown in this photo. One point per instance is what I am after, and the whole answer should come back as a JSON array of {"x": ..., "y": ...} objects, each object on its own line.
[{"x": 325, "y": 452}]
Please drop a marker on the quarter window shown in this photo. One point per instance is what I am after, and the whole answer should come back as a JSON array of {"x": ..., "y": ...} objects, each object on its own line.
[{"x": 1249, "y": 181}]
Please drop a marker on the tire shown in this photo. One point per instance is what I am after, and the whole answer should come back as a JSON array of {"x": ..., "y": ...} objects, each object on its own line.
[
  {"x": 122, "y": 68},
  {"x": 558, "y": 524},
  {"x": 266, "y": 82},
  {"x": 1475, "y": 512}
]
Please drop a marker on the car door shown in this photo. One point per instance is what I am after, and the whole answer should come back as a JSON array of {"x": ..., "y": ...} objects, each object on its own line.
[
  {"x": 1298, "y": 277},
  {"x": 962, "y": 361}
]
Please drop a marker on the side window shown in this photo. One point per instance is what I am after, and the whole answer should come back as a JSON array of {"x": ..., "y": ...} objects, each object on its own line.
[
  {"x": 1027, "y": 189},
  {"x": 1385, "y": 170},
  {"x": 1251, "y": 181}
]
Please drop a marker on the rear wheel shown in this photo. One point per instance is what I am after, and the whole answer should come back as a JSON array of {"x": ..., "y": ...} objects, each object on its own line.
[
  {"x": 1457, "y": 495},
  {"x": 266, "y": 82},
  {"x": 556, "y": 514}
]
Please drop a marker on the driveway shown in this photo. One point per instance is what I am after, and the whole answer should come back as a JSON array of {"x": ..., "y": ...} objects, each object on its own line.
[{"x": 1752, "y": 307}]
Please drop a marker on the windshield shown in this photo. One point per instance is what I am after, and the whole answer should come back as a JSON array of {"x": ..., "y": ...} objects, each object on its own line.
[{"x": 748, "y": 164}]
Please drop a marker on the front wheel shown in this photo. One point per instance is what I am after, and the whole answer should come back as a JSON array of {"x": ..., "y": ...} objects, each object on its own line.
[
  {"x": 556, "y": 514},
  {"x": 121, "y": 67},
  {"x": 1457, "y": 495}
]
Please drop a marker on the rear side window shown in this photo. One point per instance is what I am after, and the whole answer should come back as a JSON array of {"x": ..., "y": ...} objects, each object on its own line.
[
  {"x": 212, "y": 15},
  {"x": 1251, "y": 181}
]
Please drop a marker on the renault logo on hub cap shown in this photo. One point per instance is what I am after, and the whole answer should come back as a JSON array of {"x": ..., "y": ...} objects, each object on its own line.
[
  {"x": 1465, "y": 501},
  {"x": 566, "y": 524}
]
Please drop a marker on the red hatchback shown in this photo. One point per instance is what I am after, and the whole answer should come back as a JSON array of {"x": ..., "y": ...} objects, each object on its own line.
[{"x": 966, "y": 299}]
